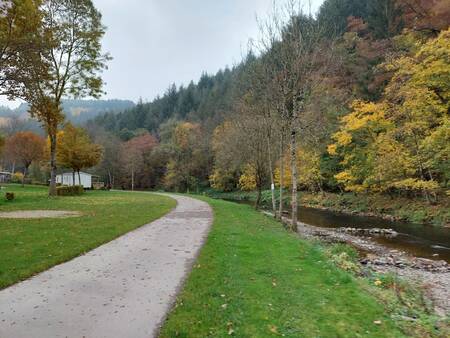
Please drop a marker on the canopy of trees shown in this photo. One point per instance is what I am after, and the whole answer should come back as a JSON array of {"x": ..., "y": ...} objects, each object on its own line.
[
  {"x": 76, "y": 151},
  {"x": 50, "y": 49},
  {"x": 355, "y": 99},
  {"x": 24, "y": 148}
]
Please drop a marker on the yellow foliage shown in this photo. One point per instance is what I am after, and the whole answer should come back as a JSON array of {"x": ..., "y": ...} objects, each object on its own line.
[
  {"x": 17, "y": 177},
  {"x": 401, "y": 142},
  {"x": 221, "y": 180},
  {"x": 308, "y": 169},
  {"x": 184, "y": 132},
  {"x": 332, "y": 149},
  {"x": 342, "y": 138},
  {"x": 414, "y": 184},
  {"x": 247, "y": 181}
]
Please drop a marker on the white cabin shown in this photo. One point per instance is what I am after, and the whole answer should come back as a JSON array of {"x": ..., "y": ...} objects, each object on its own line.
[{"x": 67, "y": 179}]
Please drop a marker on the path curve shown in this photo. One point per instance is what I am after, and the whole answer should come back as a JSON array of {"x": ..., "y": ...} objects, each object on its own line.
[{"x": 121, "y": 289}]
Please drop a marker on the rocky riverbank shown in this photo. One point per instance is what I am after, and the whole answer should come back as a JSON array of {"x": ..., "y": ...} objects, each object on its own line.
[{"x": 433, "y": 276}]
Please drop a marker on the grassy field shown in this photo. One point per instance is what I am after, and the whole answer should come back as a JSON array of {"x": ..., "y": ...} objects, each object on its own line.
[
  {"x": 31, "y": 246},
  {"x": 254, "y": 279}
]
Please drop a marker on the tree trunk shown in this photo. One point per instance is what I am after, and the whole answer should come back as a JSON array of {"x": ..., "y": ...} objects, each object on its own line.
[
  {"x": 294, "y": 203},
  {"x": 79, "y": 177},
  {"x": 132, "y": 179},
  {"x": 280, "y": 212},
  {"x": 258, "y": 196},
  {"x": 23, "y": 177},
  {"x": 52, "y": 188},
  {"x": 272, "y": 181},
  {"x": 13, "y": 168},
  {"x": 73, "y": 177}
]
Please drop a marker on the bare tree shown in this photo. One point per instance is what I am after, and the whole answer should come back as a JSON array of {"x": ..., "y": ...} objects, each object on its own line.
[{"x": 293, "y": 44}]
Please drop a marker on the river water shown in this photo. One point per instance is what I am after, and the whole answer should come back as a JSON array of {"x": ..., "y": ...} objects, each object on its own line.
[{"x": 418, "y": 240}]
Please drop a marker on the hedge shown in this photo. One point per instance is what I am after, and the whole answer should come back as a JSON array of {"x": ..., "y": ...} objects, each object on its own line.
[{"x": 70, "y": 190}]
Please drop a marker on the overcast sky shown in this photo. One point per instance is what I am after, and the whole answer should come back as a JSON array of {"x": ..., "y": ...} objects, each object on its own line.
[{"x": 158, "y": 42}]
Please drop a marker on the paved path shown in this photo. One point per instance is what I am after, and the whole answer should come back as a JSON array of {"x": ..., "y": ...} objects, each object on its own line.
[{"x": 122, "y": 289}]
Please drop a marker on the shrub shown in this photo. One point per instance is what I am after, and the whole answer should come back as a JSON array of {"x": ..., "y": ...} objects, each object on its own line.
[
  {"x": 69, "y": 190},
  {"x": 17, "y": 177},
  {"x": 10, "y": 196},
  {"x": 344, "y": 257}
]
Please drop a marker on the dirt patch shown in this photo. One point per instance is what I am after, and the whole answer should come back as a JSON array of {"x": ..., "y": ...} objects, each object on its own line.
[{"x": 32, "y": 214}]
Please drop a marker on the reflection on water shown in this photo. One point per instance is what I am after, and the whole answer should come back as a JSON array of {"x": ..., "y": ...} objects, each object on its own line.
[{"x": 417, "y": 239}]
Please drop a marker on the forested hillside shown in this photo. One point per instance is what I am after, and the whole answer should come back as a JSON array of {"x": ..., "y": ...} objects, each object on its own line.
[
  {"x": 206, "y": 102},
  {"x": 354, "y": 99},
  {"x": 77, "y": 111}
]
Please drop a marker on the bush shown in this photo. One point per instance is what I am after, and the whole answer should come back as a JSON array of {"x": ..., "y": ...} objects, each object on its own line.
[
  {"x": 17, "y": 177},
  {"x": 69, "y": 190},
  {"x": 10, "y": 196}
]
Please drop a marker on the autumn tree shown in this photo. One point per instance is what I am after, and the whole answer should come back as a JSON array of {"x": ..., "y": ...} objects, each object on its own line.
[
  {"x": 66, "y": 63},
  {"x": 25, "y": 148},
  {"x": 2, "y": 144},
  {"x": 425, "y": 15},
  {"x": 76, "y": 151},
  {"x": 187, "y": 157},
  {"x": 19, "y": 27},
  {"x": 240, "y": 145},
  {"x": 401, "y": 142},
  {"x": 296, "y": 49},
  {"x": 133, "y": 154}
]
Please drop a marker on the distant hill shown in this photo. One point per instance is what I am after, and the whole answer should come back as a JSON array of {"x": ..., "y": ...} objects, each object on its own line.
[{"x": 77, "y": 111}]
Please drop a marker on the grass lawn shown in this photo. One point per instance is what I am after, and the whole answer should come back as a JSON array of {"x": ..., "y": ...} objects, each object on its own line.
[
  {"x": 254, "y": 279},
  {"x": 34, "y": 245}
]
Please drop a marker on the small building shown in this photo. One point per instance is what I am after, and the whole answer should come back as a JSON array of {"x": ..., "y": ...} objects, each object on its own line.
[
  {"x": 68, "y": 179},
  {"x": 5, "y": 177}
]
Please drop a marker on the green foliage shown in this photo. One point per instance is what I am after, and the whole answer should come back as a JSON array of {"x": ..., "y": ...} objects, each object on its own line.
[
  {"x": 196, "y": 102},
  {"x": 74, "y": 190}
]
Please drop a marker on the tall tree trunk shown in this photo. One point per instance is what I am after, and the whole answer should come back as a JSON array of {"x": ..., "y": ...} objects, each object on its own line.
[
  {"x": 280, "y": 212},
  {"x": 110, "y": 179},
  {"x": 79, "y": 177},
  {"x": 132, "y": 178},
  {"x": 52, "y": 188},
  {"x": 13, "y": 168},
  {"x": 272, "y": 181},
  {"x": 73, "y": 177},
  {"x": 294, "y": 202}
]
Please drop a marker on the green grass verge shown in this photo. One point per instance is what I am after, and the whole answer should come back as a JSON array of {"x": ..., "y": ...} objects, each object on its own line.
[
  {"x": 415, "y": 210},
  {"x": 31, "y": 246},
  {"x": 254, "y": 279}
]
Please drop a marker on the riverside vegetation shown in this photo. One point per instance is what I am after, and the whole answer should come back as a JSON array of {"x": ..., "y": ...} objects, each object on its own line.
[{"x": 254, "y": 279}]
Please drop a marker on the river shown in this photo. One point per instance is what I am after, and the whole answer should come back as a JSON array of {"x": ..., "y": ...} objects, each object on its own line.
[{"x": 418, "y": 240}]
